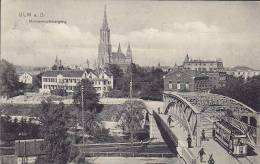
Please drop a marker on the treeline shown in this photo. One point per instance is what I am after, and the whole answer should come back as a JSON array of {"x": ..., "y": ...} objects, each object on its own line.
[
  {"x": 147, "y": 83},
  {"x": 9, "y": 82},
  {"x": 247, "y": 92},
  {"x": 11, "y": 130}
]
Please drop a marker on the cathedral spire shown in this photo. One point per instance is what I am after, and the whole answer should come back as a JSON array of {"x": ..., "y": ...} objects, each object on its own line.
[
  {"x": 129, "y": 51},
  {"x": 119, "y": 49},
  {"x": 187, "y": 59},
  {"x": 105, "y": 24}
]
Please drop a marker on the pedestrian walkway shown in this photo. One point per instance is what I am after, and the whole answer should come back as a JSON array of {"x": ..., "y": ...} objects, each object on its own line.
[{"x": 220, "y": 155}]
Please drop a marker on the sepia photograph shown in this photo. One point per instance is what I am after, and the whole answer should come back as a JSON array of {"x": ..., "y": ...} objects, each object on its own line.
[{"x": 129, "y": 81}]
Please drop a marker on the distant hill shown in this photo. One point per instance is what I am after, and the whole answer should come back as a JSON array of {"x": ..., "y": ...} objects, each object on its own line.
[
  {"x": 241, "y": 68},
  {"x": 29, "y": 69}
]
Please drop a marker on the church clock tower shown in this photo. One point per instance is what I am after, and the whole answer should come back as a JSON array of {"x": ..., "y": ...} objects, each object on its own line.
[{"x": 104, "y": 48}]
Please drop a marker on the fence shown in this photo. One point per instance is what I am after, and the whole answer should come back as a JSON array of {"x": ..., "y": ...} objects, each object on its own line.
[
  {"x": 6, "y": 150},
  {"x": 128, "y": 154},
  {"x": 8, "y": 159}
]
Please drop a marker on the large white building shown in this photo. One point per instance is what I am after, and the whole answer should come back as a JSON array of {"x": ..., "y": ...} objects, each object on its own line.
[
  {"x": 68, "y": 80},
  {"x": 245, "y": 72},
  {"x": 203, "y": 65}
]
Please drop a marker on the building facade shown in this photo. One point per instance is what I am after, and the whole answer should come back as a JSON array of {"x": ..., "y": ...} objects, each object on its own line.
[
  {"x": 68, "y": 80},
  {"x": 105, "y": 54},
  {"x": 186, "y": 81},
  {"x": 244, "y": 72},
  {"x": 203, "y": 65},
  {"x": 213, "y": 69},
  {"x": 26, "y": 78}
]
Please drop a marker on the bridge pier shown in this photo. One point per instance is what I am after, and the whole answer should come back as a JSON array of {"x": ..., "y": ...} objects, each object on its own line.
[{"x": 258, "y": 130}]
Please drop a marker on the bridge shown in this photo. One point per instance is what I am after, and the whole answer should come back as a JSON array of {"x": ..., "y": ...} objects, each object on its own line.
[{"x": 193, "y": 112}]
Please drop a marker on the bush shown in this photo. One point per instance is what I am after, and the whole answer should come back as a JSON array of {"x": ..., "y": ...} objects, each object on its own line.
[{"x": 59, "y": 92}]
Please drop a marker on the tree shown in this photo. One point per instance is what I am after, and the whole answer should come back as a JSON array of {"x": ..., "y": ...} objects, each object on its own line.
[
  {"x": 59, "y": 92},
  {"x": 9, "y": 84},
  {"x": 92, "y": 123},
  {"x": 37, "y": 82},
  {"x": 55, "y": 121},
  {"x": 117, "y": 73},
  {"x": 90, "y": 97},
  {"x": 132, "y": 117}
]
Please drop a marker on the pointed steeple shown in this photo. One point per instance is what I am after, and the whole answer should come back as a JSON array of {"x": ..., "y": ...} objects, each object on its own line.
[
  {"x": 187, "y": 59},
  {"x": 119, "y": 49},
  {"x": 129, "y": 51},
  {"x": 105, "y": 24},
  {"x": 56, "y": 62}
]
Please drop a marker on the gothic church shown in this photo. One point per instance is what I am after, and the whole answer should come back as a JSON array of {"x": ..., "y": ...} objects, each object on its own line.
[{"x": 105, "y": 54}]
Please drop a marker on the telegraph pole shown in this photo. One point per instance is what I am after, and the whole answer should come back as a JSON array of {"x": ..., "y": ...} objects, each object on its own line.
[
  {"x": 82, "y": 117},
  {"x": 131, "y": 106}
]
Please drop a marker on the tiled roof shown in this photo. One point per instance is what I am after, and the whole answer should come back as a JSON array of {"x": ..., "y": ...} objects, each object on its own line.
[
  {"x": 65, "y": 73},
  {"x": 69, "y": 73},
  {"x": 191, "y": 73}
]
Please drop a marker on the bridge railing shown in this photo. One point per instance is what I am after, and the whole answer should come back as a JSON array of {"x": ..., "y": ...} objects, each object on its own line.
[
  {"x": 129, "y": 154},
  {"x": 188, "y": 156},
  {"x": 168, "y": 136}
]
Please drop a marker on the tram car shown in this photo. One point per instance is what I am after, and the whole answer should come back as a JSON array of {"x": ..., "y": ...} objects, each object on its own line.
[{"x": 231, "y": 138}]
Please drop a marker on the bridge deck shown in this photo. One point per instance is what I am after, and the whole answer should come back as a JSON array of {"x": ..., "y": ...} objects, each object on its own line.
[
  {"x": 209, "y": 100},
  {"x": 220, "y": 155}
]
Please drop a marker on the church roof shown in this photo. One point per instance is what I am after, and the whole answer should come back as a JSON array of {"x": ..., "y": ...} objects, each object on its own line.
[{"x": 118, "y": 55}]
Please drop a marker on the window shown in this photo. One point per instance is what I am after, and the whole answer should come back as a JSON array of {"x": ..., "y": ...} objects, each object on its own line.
[
  {"x": 187, "y": 86},
  {"x": 178, "y": 85},
  {"x": 170, "y": 84}
]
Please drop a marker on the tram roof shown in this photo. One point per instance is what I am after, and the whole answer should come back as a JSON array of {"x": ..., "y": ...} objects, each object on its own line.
[{"x": 201, "y": 101}]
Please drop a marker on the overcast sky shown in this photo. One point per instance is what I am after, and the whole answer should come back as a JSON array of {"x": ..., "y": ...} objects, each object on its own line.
[{"x": 158, "y": 31}]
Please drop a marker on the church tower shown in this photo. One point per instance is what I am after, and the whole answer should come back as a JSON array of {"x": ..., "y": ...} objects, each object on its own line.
[
  {"x": 129, "y": 54},
  {"x": 104, "y": 48}
]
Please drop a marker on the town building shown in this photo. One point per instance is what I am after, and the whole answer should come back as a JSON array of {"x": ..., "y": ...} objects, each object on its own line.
[
  {"x": 186, "y": 81},
  {"x": 26, "y": 78},
  {"x": 68, "y": 80},
  {"x": 216, "y": 79},
  {"x": 196, "y": 75},
  {"x": 105, "y": 54},
  {"x": 242, "y": 71},
  {"x": 203, "y": 65}
]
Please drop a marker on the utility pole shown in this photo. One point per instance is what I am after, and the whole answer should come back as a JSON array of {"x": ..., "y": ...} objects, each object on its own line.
[
  {"x": 83, "y": 119},
  {"x": 131, "y": 107}
]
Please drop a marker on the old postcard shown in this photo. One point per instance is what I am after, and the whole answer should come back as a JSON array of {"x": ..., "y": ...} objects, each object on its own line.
[{"x": 118, "y": 82}]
